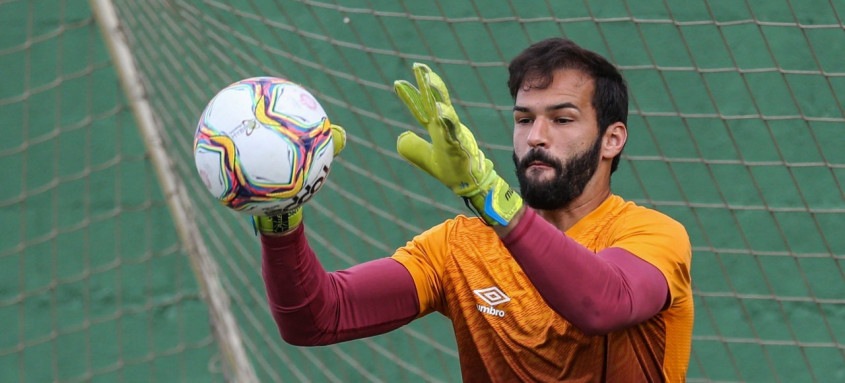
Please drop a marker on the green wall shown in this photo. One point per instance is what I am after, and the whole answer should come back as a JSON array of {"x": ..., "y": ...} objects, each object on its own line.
[{"x": 736, "y": 130}]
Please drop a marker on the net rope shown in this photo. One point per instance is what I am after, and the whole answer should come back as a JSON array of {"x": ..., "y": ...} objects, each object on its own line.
[{"x": 736, "y": 127}]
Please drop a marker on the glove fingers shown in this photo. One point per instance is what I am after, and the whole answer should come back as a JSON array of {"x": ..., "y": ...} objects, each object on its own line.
[
  {"x": 421, "y": 103},
  {"x": 421, "y": 72},
  {"x": 450, "y": 122},
  {"x": 431, "y": 84},
  {"x": 412, "y": 99},
  {"x": 432, "y": 99},
  {"x": 415, "y": 150},
  {"x": 433, "y": 90},
  {"x": 338, "y": 138}
]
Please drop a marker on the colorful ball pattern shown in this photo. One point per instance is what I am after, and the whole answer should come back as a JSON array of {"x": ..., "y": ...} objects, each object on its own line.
[{"x": 263, "y": 146}]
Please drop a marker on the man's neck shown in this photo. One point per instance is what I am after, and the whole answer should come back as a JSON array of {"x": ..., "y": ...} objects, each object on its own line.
[
  {"x": 566, "y": 217},
  {"x": 596, "y": 192}
]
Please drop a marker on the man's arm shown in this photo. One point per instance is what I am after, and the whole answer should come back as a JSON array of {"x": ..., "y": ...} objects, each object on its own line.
[
  {"x": 597, "y": 292},
  {"x": 313, "y": 307}
]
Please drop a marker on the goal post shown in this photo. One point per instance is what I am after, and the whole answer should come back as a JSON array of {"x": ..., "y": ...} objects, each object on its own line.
[
  {"x": 236, "y": 365},
  {"x": 736, "y": 108},
  {"x": 117, "y": 265}
]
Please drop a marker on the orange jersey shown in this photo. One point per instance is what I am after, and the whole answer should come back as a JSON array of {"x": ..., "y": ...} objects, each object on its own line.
[{"x": 506, "y": 332}]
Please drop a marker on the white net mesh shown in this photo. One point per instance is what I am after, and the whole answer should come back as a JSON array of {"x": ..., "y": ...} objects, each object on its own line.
[
  {"x": 93, "y": 284},
  {"x": 736, "y": 130}
]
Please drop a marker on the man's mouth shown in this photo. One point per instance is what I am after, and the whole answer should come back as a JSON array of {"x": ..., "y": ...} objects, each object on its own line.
[{"x": 538, "y": 165}]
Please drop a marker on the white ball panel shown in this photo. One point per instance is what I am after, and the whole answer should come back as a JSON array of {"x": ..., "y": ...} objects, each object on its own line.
[
  {"x": 265, "y": 156},
  {"x": 210, "y": 168},
  {"x": 230, "y": 110},
  {"x": 296, "y": 102}
]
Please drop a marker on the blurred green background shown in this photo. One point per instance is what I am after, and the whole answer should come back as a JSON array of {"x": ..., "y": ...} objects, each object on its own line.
[{"x": 736, "y": 130}]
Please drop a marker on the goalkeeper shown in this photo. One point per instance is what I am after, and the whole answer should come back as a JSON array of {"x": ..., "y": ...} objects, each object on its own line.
[{"x": 563, "y": 281}]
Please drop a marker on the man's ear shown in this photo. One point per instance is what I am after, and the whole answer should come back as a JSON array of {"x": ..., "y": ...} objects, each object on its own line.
[{"x": 614, "y": 140}]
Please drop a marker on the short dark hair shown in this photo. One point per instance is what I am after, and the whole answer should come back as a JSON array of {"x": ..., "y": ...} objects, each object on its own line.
[{"x": 538, "y": 63}]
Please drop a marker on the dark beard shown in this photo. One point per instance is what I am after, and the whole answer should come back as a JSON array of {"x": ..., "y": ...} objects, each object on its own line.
[{"x": 568, "y": 182}]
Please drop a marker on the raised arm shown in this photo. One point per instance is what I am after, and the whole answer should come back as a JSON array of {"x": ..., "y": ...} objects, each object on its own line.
[
  {"x": 313, "y": 307},
  {"x": 597, "y": 292}
]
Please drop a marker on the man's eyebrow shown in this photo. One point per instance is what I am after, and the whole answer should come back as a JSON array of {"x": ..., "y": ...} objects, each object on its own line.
[{"x": 564, "y": 105}]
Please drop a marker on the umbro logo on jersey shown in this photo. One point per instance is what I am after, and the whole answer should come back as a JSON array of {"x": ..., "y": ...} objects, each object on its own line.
[{"x": 492, "y": 296}]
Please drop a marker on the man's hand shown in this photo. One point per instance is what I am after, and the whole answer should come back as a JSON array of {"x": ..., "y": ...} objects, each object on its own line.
[
  {"x": 452, "y": 156},
  {"x": 287, "y": 221}
]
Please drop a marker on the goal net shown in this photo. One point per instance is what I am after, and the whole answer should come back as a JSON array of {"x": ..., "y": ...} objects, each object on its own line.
[{"x": 736, "y": 129}]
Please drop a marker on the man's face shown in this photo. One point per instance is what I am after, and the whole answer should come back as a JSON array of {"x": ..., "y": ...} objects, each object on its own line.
[{"x": 556, "y": 142}]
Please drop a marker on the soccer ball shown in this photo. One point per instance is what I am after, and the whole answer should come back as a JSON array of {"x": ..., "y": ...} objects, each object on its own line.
[{"x": 263, "y": 146}]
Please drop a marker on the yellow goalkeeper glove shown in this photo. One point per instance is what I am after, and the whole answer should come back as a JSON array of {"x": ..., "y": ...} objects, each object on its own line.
[
  {"x": 452, "y": 156},
  {"x": 288, "y": 221}
]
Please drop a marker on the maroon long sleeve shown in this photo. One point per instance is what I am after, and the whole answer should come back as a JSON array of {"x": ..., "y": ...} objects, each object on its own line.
[
  {"x": 314, "y": 307},
  {"x": 596, "y": 292}
]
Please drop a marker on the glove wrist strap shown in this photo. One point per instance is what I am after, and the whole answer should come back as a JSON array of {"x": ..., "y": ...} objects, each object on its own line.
[
  {"x": 277, "y": 224},
  {"x": 498, "y": 205}
]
